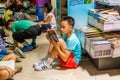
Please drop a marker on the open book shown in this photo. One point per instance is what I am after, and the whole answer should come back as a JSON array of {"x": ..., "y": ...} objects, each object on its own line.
[
  {"x": 53, "y": 35},
  {"x": 10, "y": 64}
]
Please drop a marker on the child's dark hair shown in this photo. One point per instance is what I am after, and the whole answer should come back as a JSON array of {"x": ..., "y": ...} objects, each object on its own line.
[
  {"x": 70, "y": 20},
  {"x": 49, "y": 7},
  {"x": 12, "y": 7},
  {"x": 7, "y": 23},
  {"x": 19, "y": 8}
]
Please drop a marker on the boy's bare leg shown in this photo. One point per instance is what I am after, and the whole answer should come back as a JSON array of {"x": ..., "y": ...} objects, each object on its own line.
[
  {"x": 10, "y": 51},
  {"x": 16, "y": 43},
  {"x": 50, "y": 48},
  {"x": 4, "y": 74},
  {"x": 9, "y": 57}
]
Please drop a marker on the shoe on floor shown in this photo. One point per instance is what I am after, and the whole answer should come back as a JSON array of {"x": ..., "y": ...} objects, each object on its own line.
[
  {"x": 18, "y": 52},
  {"x": 37, "y": 63},
  {"x": 43, "y": 65},
  {"x": 34, "y": 45},
  {"x": 27, "y": 48}
]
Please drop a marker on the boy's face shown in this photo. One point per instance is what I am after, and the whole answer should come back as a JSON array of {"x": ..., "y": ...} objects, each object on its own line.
[{"x": 65, "y": 27}]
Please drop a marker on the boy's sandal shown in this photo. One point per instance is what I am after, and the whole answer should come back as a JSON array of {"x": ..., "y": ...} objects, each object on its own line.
[{"x": 19, "y": 53}]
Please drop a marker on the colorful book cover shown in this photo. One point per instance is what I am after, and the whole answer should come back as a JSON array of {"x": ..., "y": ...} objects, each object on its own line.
[{"x": 87, "y": 1}]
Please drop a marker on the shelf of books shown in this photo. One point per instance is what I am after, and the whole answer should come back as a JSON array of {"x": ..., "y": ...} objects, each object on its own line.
[
  {"x": 102, "y": 38},
  {"x": 109, "y": 2},
  {"x": 104, "y": 19},
  {"x": 102, "y": 47},
  {"x": 106, "y": 42},
  {"x": 101, "y": 44}
]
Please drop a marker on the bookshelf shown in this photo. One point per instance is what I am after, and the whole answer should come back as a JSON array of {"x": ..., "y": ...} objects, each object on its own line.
[
  {"x": 109, "y": 4},
  {"x": 103, "y": 62}
]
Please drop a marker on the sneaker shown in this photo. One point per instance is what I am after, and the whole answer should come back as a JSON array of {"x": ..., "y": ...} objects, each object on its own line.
[
  {"x": 34, "y": 45},
  {"x": 37, "y": 63},
  {"x": 27, "y": 48},
  {"x": 18, "y": 52},
  {"x": 42, "y": 66}
]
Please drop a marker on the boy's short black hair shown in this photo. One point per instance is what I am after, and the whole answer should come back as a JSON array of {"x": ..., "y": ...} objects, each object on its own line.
[
  {"x": 70, "y": 20},
  {"x": 19, "y": 7},
  {"x": 12, "y": 7},
  {"x": 49, "y": 7},
  {"x": 8, "y": 23}
]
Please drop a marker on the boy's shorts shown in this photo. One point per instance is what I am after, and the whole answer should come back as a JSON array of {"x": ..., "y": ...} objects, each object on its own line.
[
  {"x": 70, "y": 63},
  {"x": 3, "y": 53}
]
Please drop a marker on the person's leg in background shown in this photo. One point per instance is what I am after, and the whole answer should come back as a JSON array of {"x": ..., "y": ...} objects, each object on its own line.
[
  {"x": 20, "y": 37},
  {"x": 9, "y": 57},
  {"x": 4, "y": 74},
  {"x": 6, "y": 55},
  {"x": 39, "y": 13},
  {"x": 33, "y": 42}
]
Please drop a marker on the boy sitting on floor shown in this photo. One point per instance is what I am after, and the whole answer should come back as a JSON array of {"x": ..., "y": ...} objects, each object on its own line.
[{"x": 67, "y": 50}]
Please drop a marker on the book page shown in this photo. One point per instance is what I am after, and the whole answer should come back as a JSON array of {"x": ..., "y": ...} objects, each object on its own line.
[
  {"x": 10, "y": 64},
  {"x": 53, "y": 35}
]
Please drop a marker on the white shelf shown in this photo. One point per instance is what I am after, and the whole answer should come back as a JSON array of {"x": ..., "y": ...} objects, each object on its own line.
[{"x": 109, "y": 4}]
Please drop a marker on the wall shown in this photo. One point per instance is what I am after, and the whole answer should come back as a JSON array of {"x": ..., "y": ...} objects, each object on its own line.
[{"x": 79, "y": 10}]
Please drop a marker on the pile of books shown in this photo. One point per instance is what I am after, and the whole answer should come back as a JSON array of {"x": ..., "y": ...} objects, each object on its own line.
[
  {"x": 97, "y": 46},
  {"x": 105, "y": 20},
  {"x": 116, "y": 48}
]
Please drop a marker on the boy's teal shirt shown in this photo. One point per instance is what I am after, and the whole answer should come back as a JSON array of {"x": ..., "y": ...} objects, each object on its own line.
[
  {"x": 73, "y": 45},
  {"x": 21, "y": 25}
]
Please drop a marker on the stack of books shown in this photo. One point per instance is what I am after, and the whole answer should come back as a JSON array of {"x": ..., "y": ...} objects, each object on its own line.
[
  {"x": 100, "y": 48},
  {"x": 97, "y": 46},
  {"x": 105, "y": 20},
  {"x": 116, "y": 48}
]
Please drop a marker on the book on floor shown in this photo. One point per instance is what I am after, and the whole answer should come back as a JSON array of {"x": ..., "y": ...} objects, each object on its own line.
[{"x": 10, "y": 64}]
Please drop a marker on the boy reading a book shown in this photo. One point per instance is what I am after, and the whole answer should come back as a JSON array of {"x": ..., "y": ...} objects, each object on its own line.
[{"x": 67, "y": 49}]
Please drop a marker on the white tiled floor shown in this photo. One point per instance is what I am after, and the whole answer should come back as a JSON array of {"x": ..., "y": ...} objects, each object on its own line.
[{"x": 86, "y": 70}]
